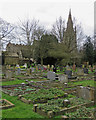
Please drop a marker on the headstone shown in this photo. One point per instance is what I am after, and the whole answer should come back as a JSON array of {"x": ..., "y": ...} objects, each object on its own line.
[
  {"x": 17, "y": 69},
  {"x": 51, "y": 75},
  {"x": 8, "y": 74},
  {"x": 67, "y": 67},
  {"x": 85, "y": 70},
  {"x": 86, "y": 93},
  {"x": 69, "y": 73},
  {"x": 80, "y": 72},
  {"x": 74, "y": 67},
  {"x": 28, "y": 71},
  {"x": 63, "y": 78}
]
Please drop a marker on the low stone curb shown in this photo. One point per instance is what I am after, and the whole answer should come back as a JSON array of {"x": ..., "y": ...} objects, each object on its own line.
[
  {"x": 7, "y": 106},
  {"x": 51, "y": 114}
]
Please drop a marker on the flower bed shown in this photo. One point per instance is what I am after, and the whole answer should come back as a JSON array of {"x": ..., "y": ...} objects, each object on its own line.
[
  {"x": 4, "y": 104},
  {"x": 43, "y": 95},
  {"x": 82, "y": 112},
  {"x": 60, "y": 106},
  {"x": 14, "y": 91}
]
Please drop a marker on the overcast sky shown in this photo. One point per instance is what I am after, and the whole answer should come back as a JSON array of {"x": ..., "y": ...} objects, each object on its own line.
[{"x": 47, "y": 11}]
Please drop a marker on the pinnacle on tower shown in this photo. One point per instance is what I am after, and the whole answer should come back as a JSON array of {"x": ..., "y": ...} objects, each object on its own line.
[
  {"x": 69, "y": 23},
  {"x": 70, "y": 13}
]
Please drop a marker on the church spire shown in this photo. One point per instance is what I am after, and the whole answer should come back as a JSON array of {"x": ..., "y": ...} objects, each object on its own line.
[
  {"x": 69, "y": 23},
  {"x": 70, "y": 13}
]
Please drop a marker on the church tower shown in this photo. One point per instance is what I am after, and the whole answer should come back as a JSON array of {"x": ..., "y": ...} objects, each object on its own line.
[{"x": 70, "y": 35}]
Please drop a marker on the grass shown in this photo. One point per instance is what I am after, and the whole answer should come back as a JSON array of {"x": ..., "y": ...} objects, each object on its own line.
[
  {"x": 83, "y": 83},
  {"x": 17, "y": 81},
  {"x": 19, "y": 75},
  {"x": 14, "y": 82},
  {"x": 21, "y": 110}
]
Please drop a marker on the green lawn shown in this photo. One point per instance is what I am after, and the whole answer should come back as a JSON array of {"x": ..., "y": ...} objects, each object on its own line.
[
  {"x": 21, "y": 110},
  {"x": 14, "y": 82},
  {"x": 17, "y": 81},
  {"x": 84, "y": 83}
]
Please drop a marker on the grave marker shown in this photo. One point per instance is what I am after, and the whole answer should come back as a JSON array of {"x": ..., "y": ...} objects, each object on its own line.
[
  {"x": 51, "y": 75},
  {"x": 80, "y": 72},
  {"x": 63, "y": 78},
  {"x": 86, "y": 93},
  {"x": 8, "y": 74},
  {"x": 69, "y": 73}
]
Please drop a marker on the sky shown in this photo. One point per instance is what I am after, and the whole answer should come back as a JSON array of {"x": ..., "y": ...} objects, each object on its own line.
[{"x": 47, "y": 11}]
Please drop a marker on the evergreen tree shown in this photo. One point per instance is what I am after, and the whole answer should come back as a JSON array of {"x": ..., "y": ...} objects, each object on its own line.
[
  {"x": 89, "y": 51},
  {"x": 43, "y": 46}
]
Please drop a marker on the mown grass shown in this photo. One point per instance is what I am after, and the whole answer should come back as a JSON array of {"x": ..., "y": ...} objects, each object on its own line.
[
  {"x": 83, "y": 83},
  {"x": 17, "y": 81},
  {"x": 21, "y": 110},
  {"x": 13, "y": 82}
]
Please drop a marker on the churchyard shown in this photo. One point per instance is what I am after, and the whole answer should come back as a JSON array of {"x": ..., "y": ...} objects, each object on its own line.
[{"x": 39, "y": 92}]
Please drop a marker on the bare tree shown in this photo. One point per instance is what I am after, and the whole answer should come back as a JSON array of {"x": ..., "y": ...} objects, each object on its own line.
[
  {"x": 5, "y": 32},
  {"x": 26, "y": 33},
  {"x": 58, "y": 29},
  {"x": 80, "y": 36},
  {"x": 29, "y": 31}
]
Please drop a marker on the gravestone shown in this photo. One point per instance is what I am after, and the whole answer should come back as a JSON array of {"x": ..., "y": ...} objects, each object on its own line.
[
  {"x": 28, "y": 71},
  {"x": 8, "y": 74},
  {"x": 86, "y": 93},
  {"x": 80, "y": 72},
  {"x": 51, "y": 75},
  {"x": 74, "y": 67},
  {"x": 63, "y": 78},
  {"x": 18, "y": 71},
  {"x": 69, "y": 73},
  {"x": 85, "y": 70}
]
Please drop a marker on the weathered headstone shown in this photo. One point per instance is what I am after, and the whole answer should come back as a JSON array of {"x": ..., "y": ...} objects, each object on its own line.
[
  {"x": 74, "y": 67},
  {"x": 63, "y": 78},
  {"x": 85, "y": 70},
  {"x": 8, "y": 74},
  {"x": 51, "y": 75},
  {"x": 18, "y": 71},
  {"x": 80, "y": 72},
  {"x": 69, "y": 73},
  {"x": 86, "y": 93},
  {"x": 28, "y": 71}
]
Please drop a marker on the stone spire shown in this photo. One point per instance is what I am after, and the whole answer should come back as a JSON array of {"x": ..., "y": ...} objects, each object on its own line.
[{"x": 69, "y": 23}]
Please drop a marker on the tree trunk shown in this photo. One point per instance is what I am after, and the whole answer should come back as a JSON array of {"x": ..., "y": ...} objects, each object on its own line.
[{"x": 41, "y": 61}]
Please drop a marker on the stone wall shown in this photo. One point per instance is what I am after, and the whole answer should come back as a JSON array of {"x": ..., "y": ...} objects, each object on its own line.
[{"x": 11, "y": 60}]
